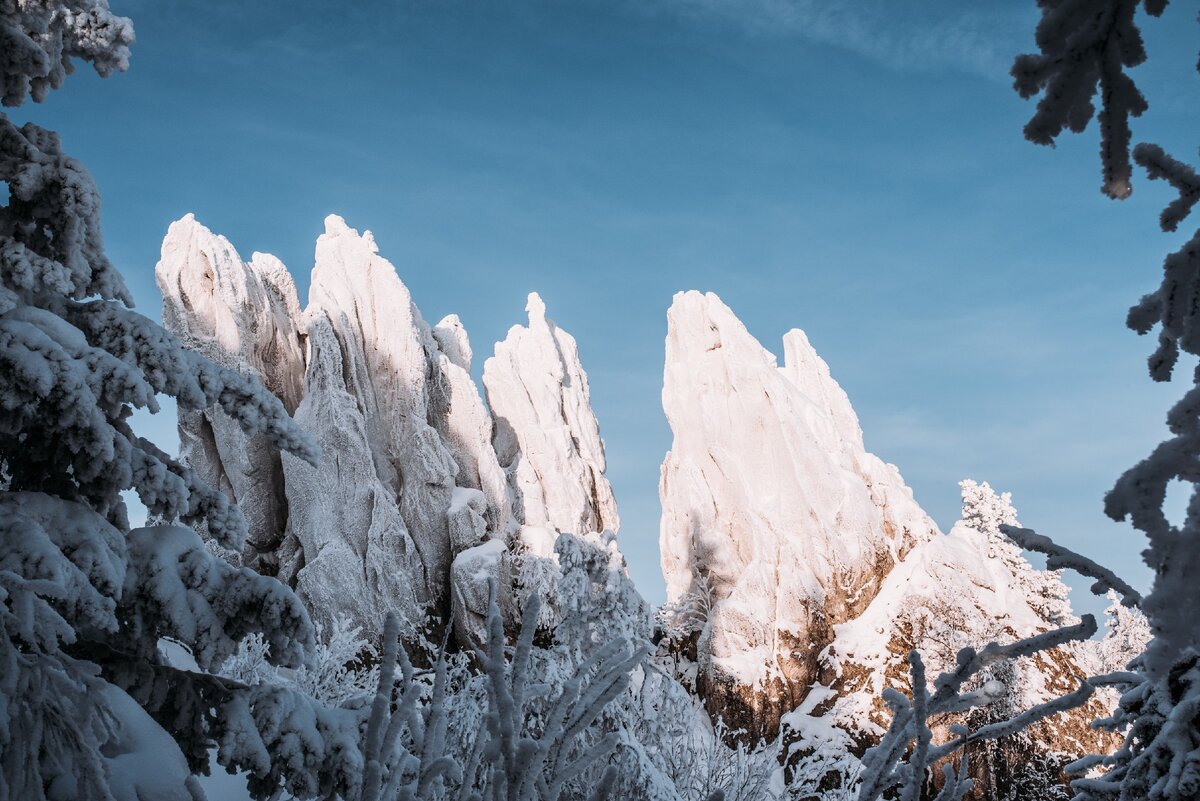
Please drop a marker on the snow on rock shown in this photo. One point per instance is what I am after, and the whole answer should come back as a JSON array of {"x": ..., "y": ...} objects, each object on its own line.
[
  {"x": 409, "y": 476},
  {"x": 354, "y": 554},
  {"x": 243, "y": 316},
  {"x": 949, "y": 593},
  {"x": 546, "y": 435},
  {"x": 771, "y": 506},
  {"x": 475, "y": 572},
  {"x": 465, "y": 425},
  {"x": 386, "y": 352},
  {"x": 467, "y": 526},
  {"x": 142, "y": 761},
  {"x": 238, "y": 314}
]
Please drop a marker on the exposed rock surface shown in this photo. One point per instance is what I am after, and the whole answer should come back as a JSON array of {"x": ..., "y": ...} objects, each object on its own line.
[
  {"x": 801, "y": 572},
  {"x": 466, "y": 426},
  {"x": 353, "y": 551},
  {"x": 771, "y": 508},
  {"x": 388, "y": 357},
  {"x": 953, "y": 592}
]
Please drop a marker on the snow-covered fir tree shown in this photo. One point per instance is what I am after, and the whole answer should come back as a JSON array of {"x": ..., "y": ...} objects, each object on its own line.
[
  {"x": 1127, "y": 636},
  {"x": 86, "y": 697},
  {"x": 985, "y": 511}
]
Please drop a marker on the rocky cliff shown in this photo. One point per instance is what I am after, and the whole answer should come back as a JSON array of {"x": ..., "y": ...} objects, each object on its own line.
[
  {"x": 771, "y": 508},
  {"x": 803, "y": 571},
  {"x": 424, "y": 495},
  {"x": 800, "y": 570}
]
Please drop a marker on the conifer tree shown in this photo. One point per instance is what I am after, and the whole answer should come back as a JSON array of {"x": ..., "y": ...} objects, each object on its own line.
[{"x": 85, "y": 598}]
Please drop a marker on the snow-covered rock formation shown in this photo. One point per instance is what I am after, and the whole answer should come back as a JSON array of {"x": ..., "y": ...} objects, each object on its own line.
[
  {"x": 771, "y": 507},
  {"x": 801, "y": 572},
  {"x": 547, "y": 437},
  {"x": 418, "y": 477},
  {"x": 388, "y": 355},
  {"x": 953, "y": 592},
  {"x": 243, "y": 316}
]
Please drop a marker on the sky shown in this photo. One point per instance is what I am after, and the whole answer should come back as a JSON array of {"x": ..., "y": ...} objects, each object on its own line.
[{"x": 853, "y": 168}]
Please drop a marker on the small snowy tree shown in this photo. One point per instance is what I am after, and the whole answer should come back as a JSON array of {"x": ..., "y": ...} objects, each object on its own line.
[
  {"x": 85, "y": 598},
  {"x": 1127, "y": 636},
  {"x": 987, "y": 512}
]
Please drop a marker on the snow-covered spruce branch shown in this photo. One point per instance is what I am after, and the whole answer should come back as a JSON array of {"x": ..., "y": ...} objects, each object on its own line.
[
  {"x": 884, "y": 767},
  {"x": 1160, "y": 166},
  {"x": 1085, "y": 49},
  {"x": 39, "y": 39},
  {"x": 1160, "y": 757},
  {"x": 83, "y": 598},
  {"x": 1059, "y": 557}
]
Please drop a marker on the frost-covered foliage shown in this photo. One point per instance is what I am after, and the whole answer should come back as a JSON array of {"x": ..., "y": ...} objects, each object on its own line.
[
  {"x": 344, "y": 665},
  {"x": 1127, "y": 637},
  {"x": 701, "y": 761},
  {"x": 885, "y": 768},
  {"x": 688, "y": 615},
  {"x": 1086, "y": 48},
  {"x": 533, "y": 743},
  {"x": 986, "y": 512},
  {"x": 517, "y": 764},
  {"x": 39, "y": 39},
  {"x": 84, "y": 600}
]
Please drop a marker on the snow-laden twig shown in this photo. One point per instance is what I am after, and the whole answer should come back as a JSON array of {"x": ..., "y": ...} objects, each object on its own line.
[
  {"x": 512, "y": 763},
  {"x": 883, "y": 765},
  {"x": 1059, "y": 557}
]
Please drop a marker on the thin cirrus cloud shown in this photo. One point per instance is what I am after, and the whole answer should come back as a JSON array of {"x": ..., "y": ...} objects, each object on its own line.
[{"x": 914, "y": 35}]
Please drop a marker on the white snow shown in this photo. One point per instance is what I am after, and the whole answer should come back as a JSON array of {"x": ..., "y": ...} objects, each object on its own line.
[{"x": 411, "y": 473}]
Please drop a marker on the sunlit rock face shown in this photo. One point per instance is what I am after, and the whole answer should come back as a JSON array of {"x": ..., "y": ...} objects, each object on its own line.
[
  {"x": 415, "y": 468},
  {"x": 245, "y": 316},
  {"x": 546, "y": 435},
  {"x": 771, "y": 508}
]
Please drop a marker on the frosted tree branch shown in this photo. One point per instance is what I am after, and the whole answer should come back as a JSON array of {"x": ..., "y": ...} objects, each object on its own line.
[
  {"x": 1085, "y": 48},
  {"x": 1059, "y": 557},
  {"x": 883, "y": 764}
]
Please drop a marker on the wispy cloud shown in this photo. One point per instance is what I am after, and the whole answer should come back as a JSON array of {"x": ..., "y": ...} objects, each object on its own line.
[{"x": 919, "y": 35}]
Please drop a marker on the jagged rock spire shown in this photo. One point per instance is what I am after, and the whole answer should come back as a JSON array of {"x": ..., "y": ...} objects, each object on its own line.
[
  {"x": 410, "y": 478},
  {"x": 244, "y": 316},
  {"x": 771, "y": 507},
  {"x": 547, "y": 437}
]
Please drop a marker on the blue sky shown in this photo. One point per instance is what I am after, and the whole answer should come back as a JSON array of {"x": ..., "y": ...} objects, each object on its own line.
[{"x": 855, "y": 169}]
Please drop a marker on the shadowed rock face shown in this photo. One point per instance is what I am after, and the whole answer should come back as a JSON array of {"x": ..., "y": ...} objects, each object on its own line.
[
  {"x": 409, "y": 478},
  {"x": 770, "y": 503},
  {"x": 244, "y": 316}
]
